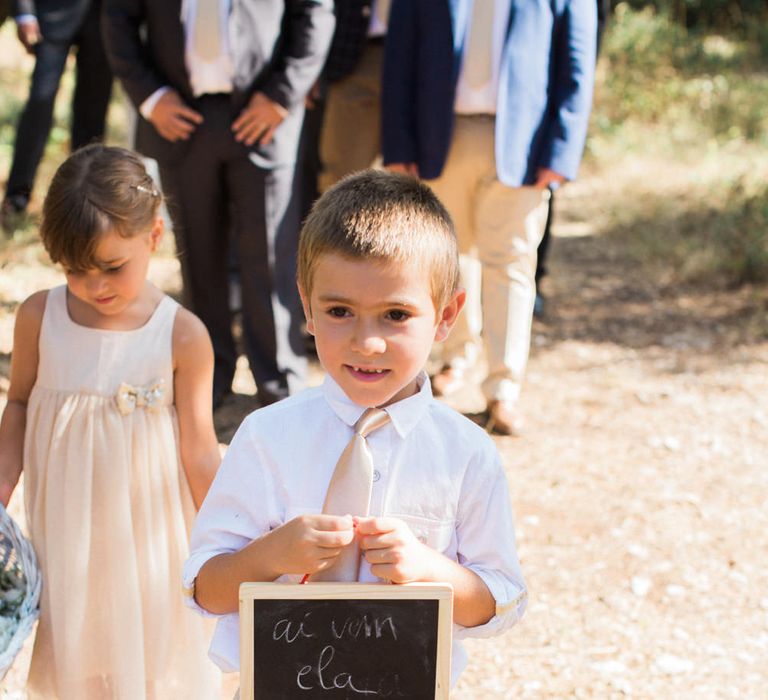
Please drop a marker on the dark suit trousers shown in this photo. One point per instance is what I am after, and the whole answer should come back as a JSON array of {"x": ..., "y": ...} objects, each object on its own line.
[
  {"x": 89, "y": 103},
  {"x": 216, "y": 186}
]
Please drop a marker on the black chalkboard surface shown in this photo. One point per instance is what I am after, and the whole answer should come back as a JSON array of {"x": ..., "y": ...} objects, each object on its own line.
[{"x": 345, "y": 641}]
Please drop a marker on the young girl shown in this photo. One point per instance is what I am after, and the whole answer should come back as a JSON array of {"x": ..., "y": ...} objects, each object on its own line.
[{"x": 109, "y": 413}]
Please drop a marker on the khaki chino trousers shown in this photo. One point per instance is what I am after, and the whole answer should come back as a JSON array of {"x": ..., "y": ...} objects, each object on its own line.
[{"x": 501, "y": 228}]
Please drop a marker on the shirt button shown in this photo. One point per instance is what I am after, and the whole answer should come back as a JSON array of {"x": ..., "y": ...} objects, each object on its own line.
[
  {"x": 376, "y": 475},
  {"x": 422, "y": 539}
]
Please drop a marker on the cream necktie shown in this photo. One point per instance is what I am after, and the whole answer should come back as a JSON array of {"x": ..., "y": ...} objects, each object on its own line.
[
  {"x": 477, "y": 65},
  {"x": 206, "y": 32},
  {"x": 382, "y": 11},
  {"x": 349, "y": 491}
]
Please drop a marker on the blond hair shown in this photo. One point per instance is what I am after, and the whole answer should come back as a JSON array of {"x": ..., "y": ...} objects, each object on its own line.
[
  {"x": 96, "y": 190},
  {"x": 374, "y": 215}
]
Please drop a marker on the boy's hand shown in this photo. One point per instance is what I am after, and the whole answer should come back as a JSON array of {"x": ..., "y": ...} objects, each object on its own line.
[
  {"x": 309, "y": 543},
  {"x": 393, "y": 551}
]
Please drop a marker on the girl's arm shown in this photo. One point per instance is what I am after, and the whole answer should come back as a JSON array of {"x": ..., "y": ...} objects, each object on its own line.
[
  {"x": 24, "y": 358},
  {"x": 193, "y": 390}
]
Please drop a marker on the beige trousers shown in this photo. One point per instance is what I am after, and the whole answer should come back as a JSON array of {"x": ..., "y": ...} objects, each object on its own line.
[
  {"x": 501, "y": 227},
  {"x": 350, "y": 138}
]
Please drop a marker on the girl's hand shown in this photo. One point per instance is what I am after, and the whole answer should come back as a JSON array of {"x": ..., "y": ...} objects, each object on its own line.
[
  {"x": 309, "y": 543},
  {"x": 393, "y": 551}
]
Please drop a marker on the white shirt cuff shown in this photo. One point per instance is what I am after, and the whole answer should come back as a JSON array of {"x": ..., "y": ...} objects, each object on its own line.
[
  {"x": 510, "y": 600},
  {"x": 147, "y": 107},
  {"x": 23, "y": 19},
  {"x": 191, "y": 569}
]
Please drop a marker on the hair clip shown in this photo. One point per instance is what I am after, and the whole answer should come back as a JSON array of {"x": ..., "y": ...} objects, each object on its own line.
[{"x": 153, "y": 192}]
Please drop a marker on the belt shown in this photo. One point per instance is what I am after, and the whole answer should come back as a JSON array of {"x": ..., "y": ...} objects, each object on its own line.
[{"x": 479, "y": 116}]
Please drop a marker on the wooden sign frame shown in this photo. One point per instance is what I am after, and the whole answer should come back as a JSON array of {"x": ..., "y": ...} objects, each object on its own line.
[{"x": 441, "y": 592}]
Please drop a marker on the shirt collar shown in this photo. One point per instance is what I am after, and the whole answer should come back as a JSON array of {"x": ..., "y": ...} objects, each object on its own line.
[{"x": 404, "y": 414}]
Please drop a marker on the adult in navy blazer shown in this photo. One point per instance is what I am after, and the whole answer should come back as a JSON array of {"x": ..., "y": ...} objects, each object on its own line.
[
  {"x": 230, "y": 158},
  {"x": 531, "y": 136},
  {"x": 49, "y": 29},
  {"x": 544, "y": 98}
]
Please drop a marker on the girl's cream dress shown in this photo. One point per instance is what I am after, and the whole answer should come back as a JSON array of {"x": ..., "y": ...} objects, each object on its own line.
[{"x": 109, "y": 512}]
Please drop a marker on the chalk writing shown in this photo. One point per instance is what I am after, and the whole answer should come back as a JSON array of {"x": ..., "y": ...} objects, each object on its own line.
[
  {"x": 321, "y": 678},
  {"x": 354, "y": 627},
  {"x": 345, "y": 649},
  {"x": 290, "y": 632}
]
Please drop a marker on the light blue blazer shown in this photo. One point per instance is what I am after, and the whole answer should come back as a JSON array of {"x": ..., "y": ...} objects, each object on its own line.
[{"x": 545, "y": 85}]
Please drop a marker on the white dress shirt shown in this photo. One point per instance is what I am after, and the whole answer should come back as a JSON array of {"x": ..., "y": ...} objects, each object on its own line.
[
  {"x": 205, "y": 77},
  {"x": 482, "y": 99},
  {"x": 434, "y": 469}
]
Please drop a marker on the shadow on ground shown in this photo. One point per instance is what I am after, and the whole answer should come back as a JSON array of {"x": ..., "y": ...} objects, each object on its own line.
[{"x": 595, "y": 295}]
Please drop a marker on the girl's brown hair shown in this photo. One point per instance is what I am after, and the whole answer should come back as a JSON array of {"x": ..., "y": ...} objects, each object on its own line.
[{"x": 96, "y": 190}]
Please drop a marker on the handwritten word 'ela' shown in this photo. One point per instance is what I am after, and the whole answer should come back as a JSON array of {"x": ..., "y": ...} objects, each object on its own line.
[{"x": 320, "y": 675}]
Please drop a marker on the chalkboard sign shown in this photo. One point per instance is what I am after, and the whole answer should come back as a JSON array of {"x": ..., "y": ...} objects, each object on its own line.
[{"x": 345, "y": 641}]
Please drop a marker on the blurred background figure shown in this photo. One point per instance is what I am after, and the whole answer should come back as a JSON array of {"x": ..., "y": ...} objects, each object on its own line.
[
  {"x": 350, "y": 137},
  {"x": 220, "y": 86},
  {"x": 50, "y": 29},
  {"x": 489, "y": 100},
  {"x": 342, "y": 124}
]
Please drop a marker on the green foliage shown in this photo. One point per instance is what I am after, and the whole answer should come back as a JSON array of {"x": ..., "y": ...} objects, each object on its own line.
[
  {"x": 699, "y": 85},
  {"x": 714, "y": 237},
  {"x": 730, "y": 15},
  {"x": 686, "y": 95}
]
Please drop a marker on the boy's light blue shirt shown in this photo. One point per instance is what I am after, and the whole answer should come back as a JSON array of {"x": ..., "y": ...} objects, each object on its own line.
[{"x": 434, "y": 469}]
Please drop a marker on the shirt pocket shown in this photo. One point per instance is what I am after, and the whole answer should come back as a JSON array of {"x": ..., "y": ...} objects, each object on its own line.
[{"x": 437, "y": 534}]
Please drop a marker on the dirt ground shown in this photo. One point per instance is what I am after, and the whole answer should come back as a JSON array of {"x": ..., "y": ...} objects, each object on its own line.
[{"x": 640, "y": 486}]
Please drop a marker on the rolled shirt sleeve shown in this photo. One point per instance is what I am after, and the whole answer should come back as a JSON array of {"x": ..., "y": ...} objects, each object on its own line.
[
  {"x": 486, "y": 545},
  {"x": 228, "y": 520}
]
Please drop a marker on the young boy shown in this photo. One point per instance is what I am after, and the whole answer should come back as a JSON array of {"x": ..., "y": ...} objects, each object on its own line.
[{"x": 378, "y": 276}]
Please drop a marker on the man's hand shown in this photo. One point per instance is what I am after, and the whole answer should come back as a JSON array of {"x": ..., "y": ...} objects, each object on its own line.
[
  {"x": 548, "y": 178},
  {"x": 259, "y": 120},
  {"x": 28, "y": 31},
  {"x": 309, "y": 543},
  {"x": 393, "y": 551},
  {"x": 403, "y": 168},
  {"x": 173, "y": 119}
]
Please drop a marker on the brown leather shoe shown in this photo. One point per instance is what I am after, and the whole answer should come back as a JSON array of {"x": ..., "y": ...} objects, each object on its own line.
[
  {"x": 447, "y": 381},
  {"x": 504, "y": 419}
]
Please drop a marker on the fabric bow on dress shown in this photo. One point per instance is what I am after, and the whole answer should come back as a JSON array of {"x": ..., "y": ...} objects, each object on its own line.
[{"x": 149, "y": 397}]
